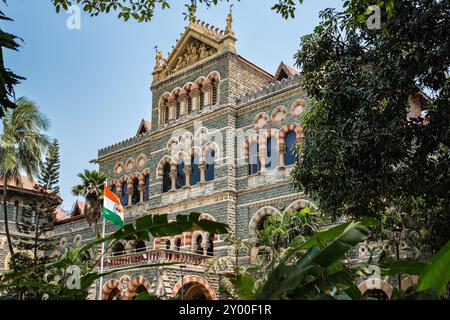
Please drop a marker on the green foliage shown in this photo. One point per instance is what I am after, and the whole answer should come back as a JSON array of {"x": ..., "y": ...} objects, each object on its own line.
[
  {"x": 8, "y": 79},
  {"x": 57, "y": 271},
  {"x": 22, "y": 144},
  {"x": 91, "y": 188},
  {"x": 49, "y": 176},
  {"x": 362, "y": 155}
]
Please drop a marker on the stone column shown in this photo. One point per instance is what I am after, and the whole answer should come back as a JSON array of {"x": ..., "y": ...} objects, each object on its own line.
[
  {"x": 141, "y": 189},
  {"x": 202, "y": 168},
  {"x": 195, "y": 94},
  {"x": 173, "y": 176},
  {"x": 183, "y": 104},
  {"x": 208, "y": 97},
  {"x": 281, "y": 151},
  {"x": 130, "y": 192},
  {"x": 262, "y": 156},
  {"x": 188, "y": 172},
  {"x": 172, "y": 107}
]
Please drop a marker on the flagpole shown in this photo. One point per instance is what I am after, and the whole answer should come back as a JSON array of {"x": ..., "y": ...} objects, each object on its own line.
[{"x": 102, "y": 260}]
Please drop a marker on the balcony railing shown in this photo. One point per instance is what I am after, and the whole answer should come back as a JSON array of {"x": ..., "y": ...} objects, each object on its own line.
[{"x": 154, "y": 257}]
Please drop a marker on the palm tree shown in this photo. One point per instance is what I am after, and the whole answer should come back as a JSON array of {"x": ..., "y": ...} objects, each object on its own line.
[
  {"x": 22, "y": 144},
  {"x": 91, "y": 188}
]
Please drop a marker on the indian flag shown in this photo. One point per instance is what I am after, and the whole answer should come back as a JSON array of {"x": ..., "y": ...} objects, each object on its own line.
[{"x": 112, "y": 209}]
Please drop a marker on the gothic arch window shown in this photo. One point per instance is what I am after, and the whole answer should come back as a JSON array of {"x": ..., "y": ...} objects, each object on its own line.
[
  {"x": 290, "y": 142},
  {"x": 202, "y": 97},
  {"x": 124, "y": 199},
  {"x": 198, "y": 245},
  {"x": 118, "y": 249},
  {"x": 177, "y": 108},
  {"x": 214, "y": 91},
  {"x": 167, "y": 183},
  {"x": 271, "y": 153},
  {"x": 85, "y": 257},
  {"x": 114, "y": 294},
  {"x": 166, "y": 113},
  {"x": 181, "y": 176},
  {"x": 140, "y": 246},
  {"x": 113, "y": 189},
  {"x": 146, "y": 187},
  {"x": 189, "y": 102},
  {"x": 210, "y": 251},
  {"x": 135, "y": 197},
  {"x": 178, "y": 244},
  {"x": 254, "y": 165},
  {"x": 210, "y": 159},
  {"x": 195, "y": 177}
]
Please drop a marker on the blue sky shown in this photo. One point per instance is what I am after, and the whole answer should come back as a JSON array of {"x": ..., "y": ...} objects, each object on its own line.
[{"x": 93, "y": 83}]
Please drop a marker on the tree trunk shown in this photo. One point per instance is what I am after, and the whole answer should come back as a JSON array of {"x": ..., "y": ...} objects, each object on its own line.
[{"x": 5, "y": 214}]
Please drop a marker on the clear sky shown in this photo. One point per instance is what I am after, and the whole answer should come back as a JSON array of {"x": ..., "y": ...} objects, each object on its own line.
[{"x": 93, "y": 83}]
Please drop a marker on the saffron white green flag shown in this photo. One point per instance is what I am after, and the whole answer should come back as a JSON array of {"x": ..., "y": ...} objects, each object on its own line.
[{"x": 112, "y": 209}]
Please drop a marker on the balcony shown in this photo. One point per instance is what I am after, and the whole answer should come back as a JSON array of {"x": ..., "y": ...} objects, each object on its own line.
[{"x": 154, "y": 257}]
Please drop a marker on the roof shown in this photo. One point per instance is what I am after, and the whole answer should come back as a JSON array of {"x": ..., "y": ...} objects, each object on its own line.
[
  {"x": 77, "y": 213},
  {"x": 285, "y": 71},
  {"x": 61, "y": 214},
  {"x": 27, "y": 184},
  {"x": 144, "y": 127}
]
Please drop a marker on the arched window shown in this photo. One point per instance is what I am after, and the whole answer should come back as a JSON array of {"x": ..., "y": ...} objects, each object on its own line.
[
  {"x": 113, "y": 188},
  {"x": 198, "y": 245},
  {"x": 118, "y": 249},
  {"x": 147, "y": 187},
  {"x": 189, "y": 103},
  {"x": 181, "y": 176},
  {"x": 166, "y": 113},
  {"x": 289, "y": 156},
  {"x": 195, "y": 177},
  {"x": 140, "y": 246},
  {"x": 254, "y": 165},
  {"x": 85, "y": 257},
  {"x": 124, "y": 199},
  {"x": 177, "y": 108},
  {"x": 135, "y": 198},
  {"x": 214, "y": 91},
  {"x": 210, "y": 158},
  {"x": 167, "y": 184},
  {"x": 178, "y": 244},
  {"x": 114, "y": 295},
  {"x": 272, "y": 153},
  {"x": 140, "y": 290},
  {"x": 165, "y": 245},
  {"x": 202, "y": 98},
  {"x": 210, "y": 245},
  {"x": 377, "y": 294}
]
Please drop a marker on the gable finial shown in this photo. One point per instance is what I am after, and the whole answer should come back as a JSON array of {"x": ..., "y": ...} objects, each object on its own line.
[
  {"x": 158, "y": 57},
  {"x": 229, "y": 28}
]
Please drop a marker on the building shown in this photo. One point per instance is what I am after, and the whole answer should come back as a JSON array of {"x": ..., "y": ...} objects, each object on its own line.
[
  {"x": 22, "y": 199},
  {"x": 221, "y": 143}
]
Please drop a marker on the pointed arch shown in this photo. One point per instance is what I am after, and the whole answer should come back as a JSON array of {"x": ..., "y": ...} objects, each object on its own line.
[
  {"x": 109, "y": 287},
  {"x": 259, "y": 217},
  {"x": 134, "y": 285},
  {"x": 206, "y": 288},
  {"x": 376, "y": 284}
]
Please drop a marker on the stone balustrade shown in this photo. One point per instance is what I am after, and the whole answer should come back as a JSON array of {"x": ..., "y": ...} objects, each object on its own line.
[{"x": 154, "y": 257}]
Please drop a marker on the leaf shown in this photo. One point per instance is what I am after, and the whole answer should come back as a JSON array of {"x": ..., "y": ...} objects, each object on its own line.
[
  {"x": 437, "y": 274},
  {"x": 403, "y": 266}
]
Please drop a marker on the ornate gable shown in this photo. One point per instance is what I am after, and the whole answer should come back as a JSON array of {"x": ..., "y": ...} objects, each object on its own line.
[{"x": 199, "y": 42}]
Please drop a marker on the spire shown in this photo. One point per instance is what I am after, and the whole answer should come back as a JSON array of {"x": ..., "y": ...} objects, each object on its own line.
[{"x": 229, "y": 28}]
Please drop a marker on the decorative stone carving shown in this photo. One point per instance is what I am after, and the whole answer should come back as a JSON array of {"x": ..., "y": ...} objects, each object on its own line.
[{"x": 194, "y": 52}]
